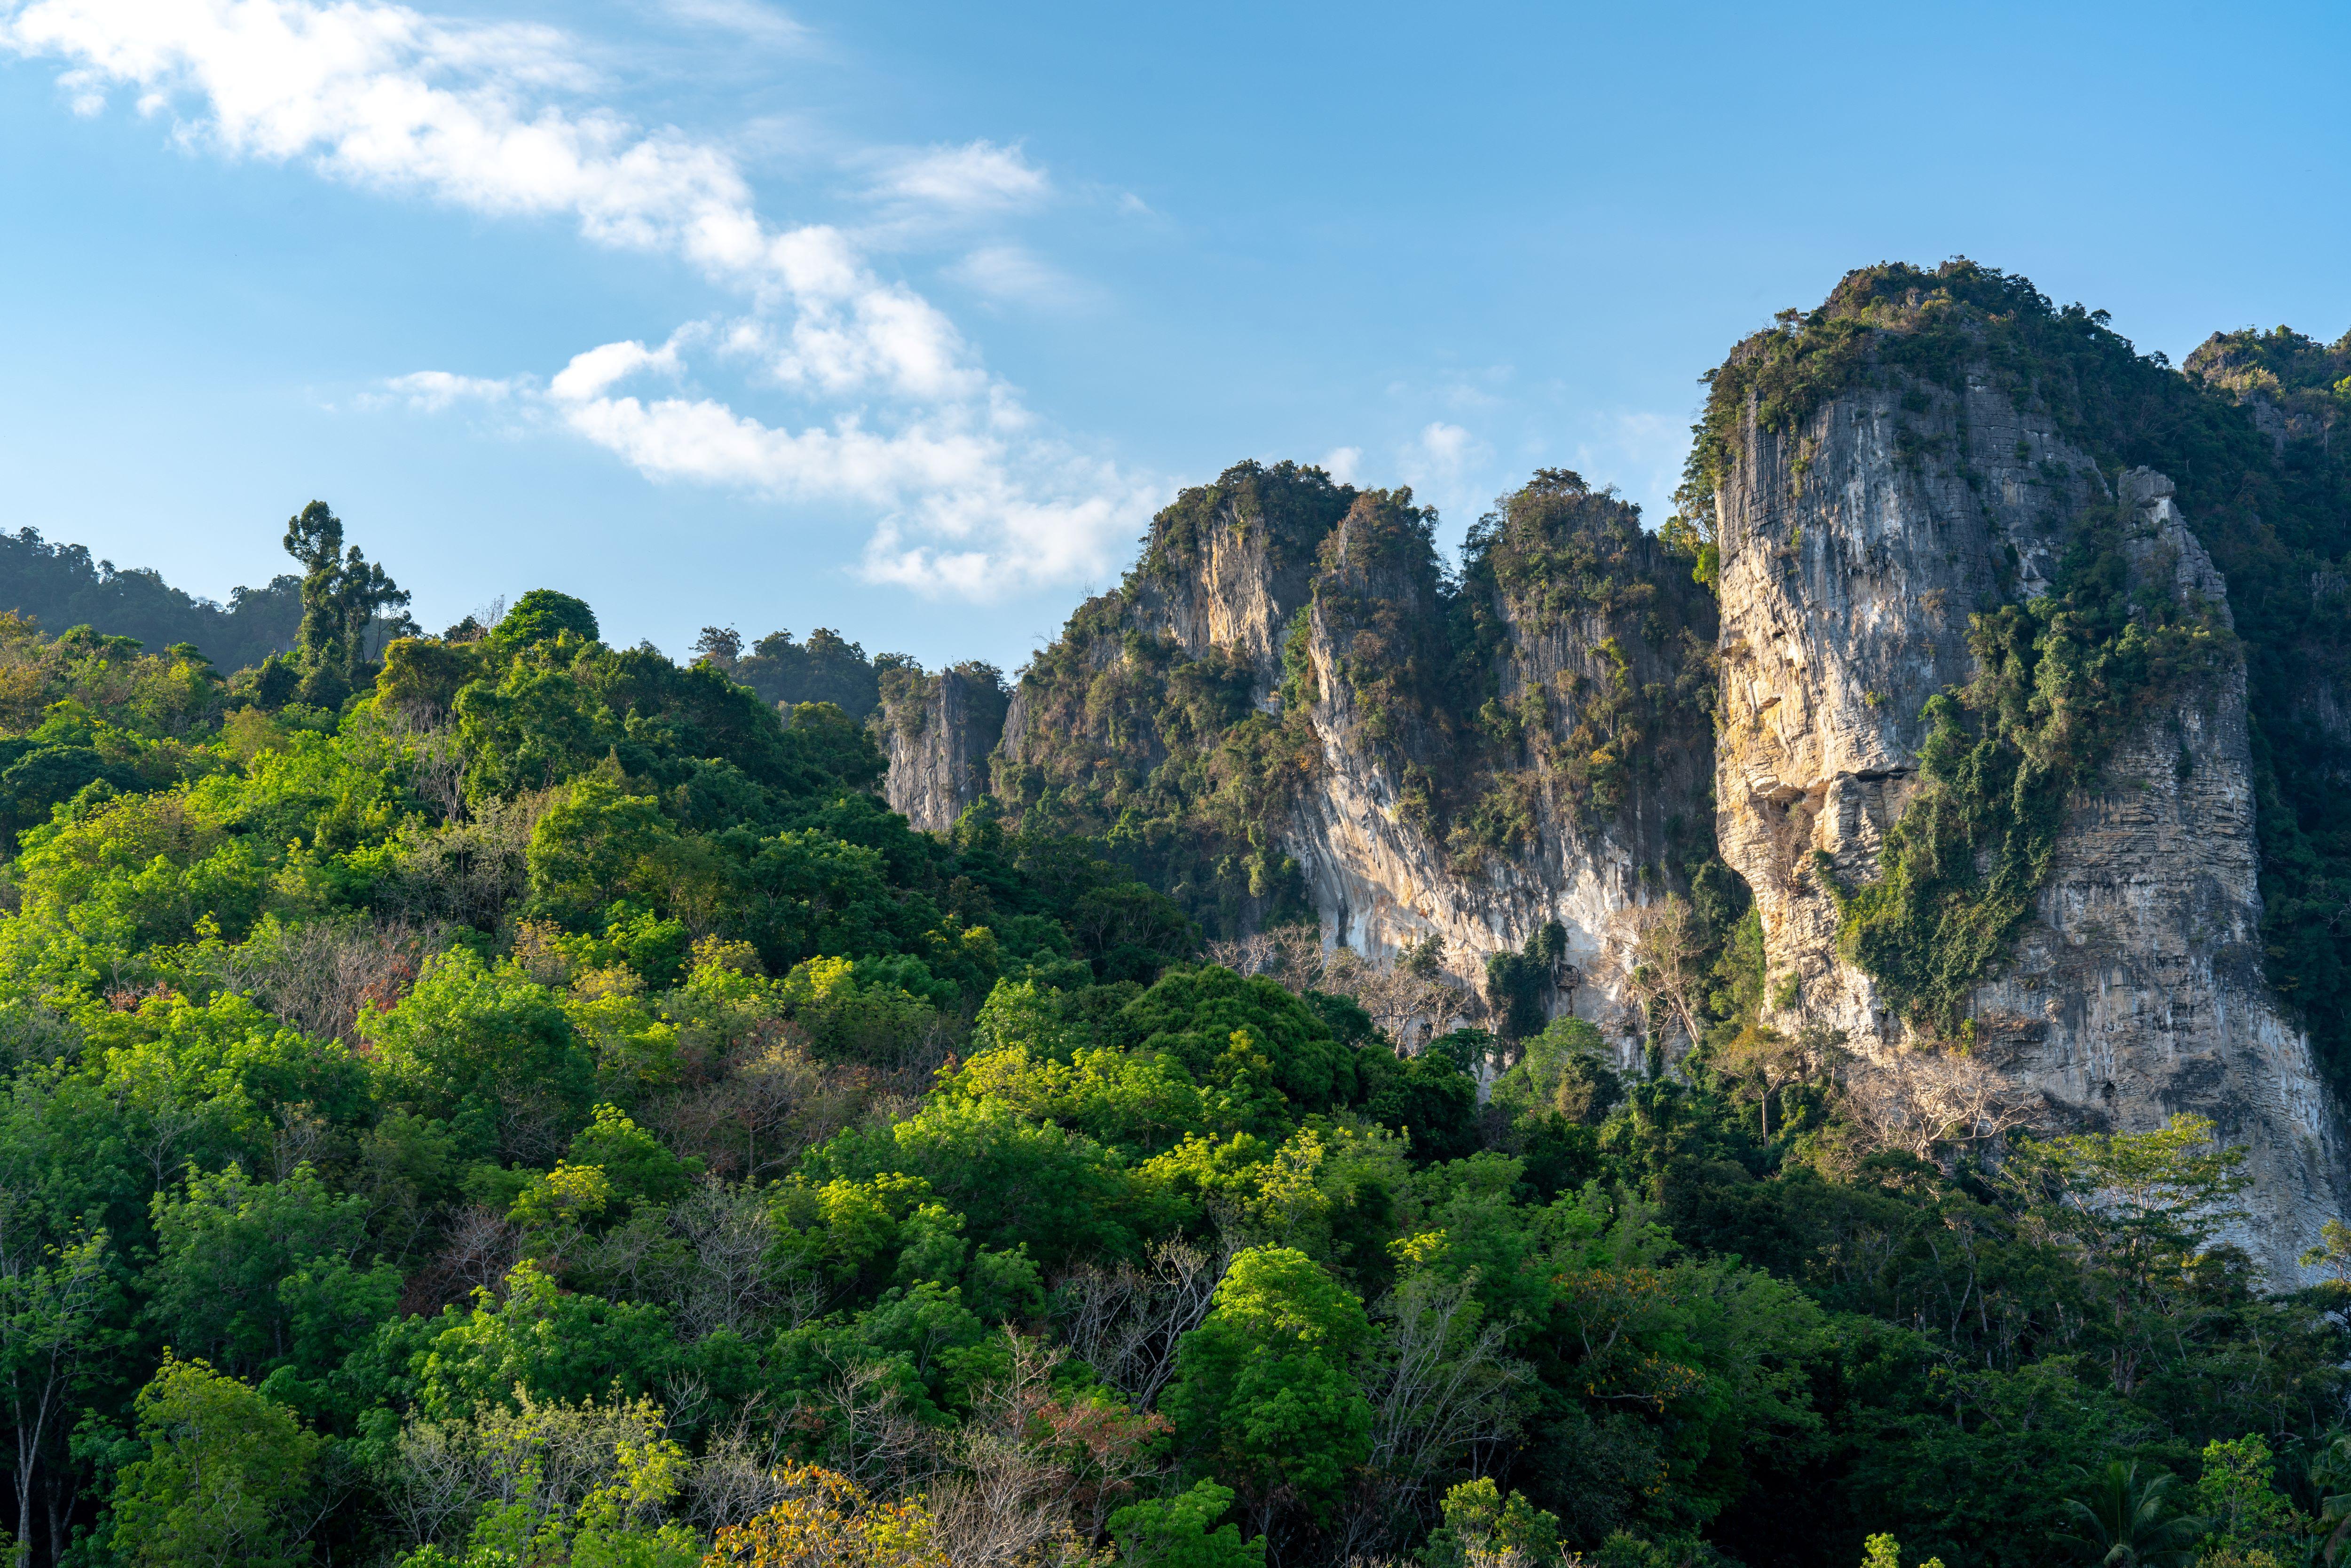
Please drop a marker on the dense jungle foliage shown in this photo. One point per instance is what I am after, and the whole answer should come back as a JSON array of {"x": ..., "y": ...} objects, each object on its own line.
[
  {"x": 544, "y": 1109},
  {"x": 2249, "y": 433}
]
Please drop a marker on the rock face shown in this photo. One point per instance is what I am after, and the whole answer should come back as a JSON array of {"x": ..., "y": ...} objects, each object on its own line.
[
  {"x": 1852, "y": 550},
  {"x": 937, "y": 731},
  {"x": 1537, "y": 841},
  {"x": 1423, "y": 794},
  {"x": 1235, "y": 593},
  {"x": 1291, "y": 707}
]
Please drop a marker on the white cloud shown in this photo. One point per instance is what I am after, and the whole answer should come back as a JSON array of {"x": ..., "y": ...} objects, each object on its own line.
[
  {"x": 1441, "y": 451},
  {"x": 746, "y": 18},
  {"x": 1470, "y": 391},
  {"x": 494, "y": 119},
  {"x": 978, "y": 176},
  {"x": 1641, "y": 453},
  {"x": 704, "y": 440},
  {"x": 590, "y": 374},
  {"x": 1446, "y": 466},
  {"x": 1343, "y": 463},
  {"x": 954, "y": 517},
  {"x": 1012, "y": 275},
  {"x": 431, "y": 392}
]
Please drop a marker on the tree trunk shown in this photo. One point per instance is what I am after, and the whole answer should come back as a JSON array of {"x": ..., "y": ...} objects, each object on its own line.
[
  {"x": 24, "y": 1507},
  {"x": 61, "y": 1495}
]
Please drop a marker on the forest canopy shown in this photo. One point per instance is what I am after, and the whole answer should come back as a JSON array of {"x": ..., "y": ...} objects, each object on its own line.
[{"x": 505, "y": 1099}]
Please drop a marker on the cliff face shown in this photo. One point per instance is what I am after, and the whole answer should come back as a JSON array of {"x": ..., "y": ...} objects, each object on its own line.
[
  {"x": 1294, "y": 698},
  {"x": 938, "y": 731},
  {"x": 1542, "y": 779},
  {"x": 1853, "y": 548},
  {"x": 1151, "y": 722},
  {"x": 1291, "y": 709},
  {"x": 1233, "y": 590}
]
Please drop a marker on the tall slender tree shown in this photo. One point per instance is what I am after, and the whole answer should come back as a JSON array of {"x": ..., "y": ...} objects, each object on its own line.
[{"x": 343, "y": 593}]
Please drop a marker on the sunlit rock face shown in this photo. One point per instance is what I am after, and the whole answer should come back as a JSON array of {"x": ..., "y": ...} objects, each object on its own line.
[{"x": 1854, "y": 550}]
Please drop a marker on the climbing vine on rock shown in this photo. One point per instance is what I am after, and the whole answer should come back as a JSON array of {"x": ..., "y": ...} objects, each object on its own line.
[
  {"x": 2062, "y": 680},
  {"x": 2250, "y": 430}
]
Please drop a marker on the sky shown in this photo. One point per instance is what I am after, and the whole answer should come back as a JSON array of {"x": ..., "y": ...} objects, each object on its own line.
[{"x": 903, "y": 318}]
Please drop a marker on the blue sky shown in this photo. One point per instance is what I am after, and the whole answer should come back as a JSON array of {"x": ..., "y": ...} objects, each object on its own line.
[{"x": 903, "y": 317}]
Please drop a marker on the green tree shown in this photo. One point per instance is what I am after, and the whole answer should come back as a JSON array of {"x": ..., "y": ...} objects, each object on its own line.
[
  {"x": 262, "y": 1276},
  {"x": 1484, "y": 1529},
  {"x": 589, "y": 1485},
  {"x": 542, "y": 615},
  {"x": 2238, "y": 1495},
  {"x": 1195, "y": 1015},
  {"x": 2143, "y": 1210},
  {"x": 342, "y": 594},
  {"x": 1016, "y": 1181},
  {"x": 1428, "y": 1096},
  {"x": 52, "y": 1297},
  {"x": 2330, "y": 1479},
  {"x": 1264, "y": 1395},
  {"x": 225, "y": 1479},
  {"x": 1516, "y": 983},
  {"x": 540, "y": 1340},
  {"x": 639, "y": 1169},
  {"x": 1175, "y": 1533},
  {"x": 594, "y": 846},
  {"x": 2123, "y": 1516},
  {"x": 2333, "y": 1254},
  {"x": 1885, "y": 1552},
  {"x": 488, "y": 1048}
]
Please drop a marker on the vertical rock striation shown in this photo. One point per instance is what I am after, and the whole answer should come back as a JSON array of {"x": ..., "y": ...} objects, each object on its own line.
[
  {"x": 1291, "y": 689},
  {"x": 1854, "y": 546},
  {"x": 938, "y": 731},
  {"x": 1542, "y": 775}
]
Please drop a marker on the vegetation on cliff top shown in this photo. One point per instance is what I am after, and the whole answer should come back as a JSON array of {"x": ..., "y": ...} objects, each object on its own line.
[
  {"x": 1174, "y": 763},
  {"x": 2270, "y": 498},
  {"x": 1165, "y": 758},
  {"x": 908, "y": 691},
  {"x": 827, "y": 668}
]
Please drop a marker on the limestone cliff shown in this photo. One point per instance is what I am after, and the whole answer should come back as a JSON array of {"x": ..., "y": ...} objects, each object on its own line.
[
  {"x": 1546, "y": 777},
  {"x": 1290, "y": 709},
  {"x": 1855, "y": 544},
  {"x": 937, "y": 731}
]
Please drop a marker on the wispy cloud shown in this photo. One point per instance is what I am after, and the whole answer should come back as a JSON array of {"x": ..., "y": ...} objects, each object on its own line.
[
  {"x": 977, "y": 177},
  {"x": 1441, "y": 452},
  {"x": 1447, "y": 467},
  {"x": 502, "y": 120},
  {"x": 1642, "y": 453},
  {"x": 745, "y": 18},
  {"x": 433, "y": 392},
  {"x": 1014, "y": 275}
]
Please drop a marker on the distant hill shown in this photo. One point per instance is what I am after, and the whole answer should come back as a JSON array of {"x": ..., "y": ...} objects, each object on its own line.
[
  {"x": 827, "y": 668},
  {"x": 60, "y": 586}
]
